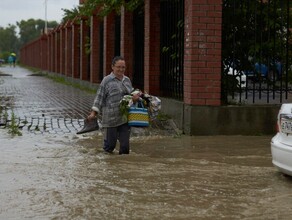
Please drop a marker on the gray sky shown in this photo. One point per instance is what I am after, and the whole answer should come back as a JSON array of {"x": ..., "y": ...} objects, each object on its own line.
[{"x": 12, "y": 11}]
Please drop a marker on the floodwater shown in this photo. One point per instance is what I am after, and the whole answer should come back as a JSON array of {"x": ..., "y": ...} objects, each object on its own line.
[
  {"x": 51, "y": 173},
  {"x": 164, "y": 177}
]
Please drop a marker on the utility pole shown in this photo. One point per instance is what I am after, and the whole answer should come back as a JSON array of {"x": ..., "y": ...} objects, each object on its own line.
[{"x": 46, "y": 20}]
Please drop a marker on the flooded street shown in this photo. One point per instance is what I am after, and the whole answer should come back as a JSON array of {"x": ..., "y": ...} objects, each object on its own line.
[
  {"x": 51, "y": 173},
  {"x": 70, "y": 177}
]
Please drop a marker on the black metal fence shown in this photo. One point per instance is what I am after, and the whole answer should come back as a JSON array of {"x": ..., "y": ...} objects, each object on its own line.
[
  {"x": 138, "y": 36},
  {"x": 117, "y": 46},
  {"x": 101, "y": 47},
  {"x": 172, "y": 48},
  {"x": 256, "y": 52}
]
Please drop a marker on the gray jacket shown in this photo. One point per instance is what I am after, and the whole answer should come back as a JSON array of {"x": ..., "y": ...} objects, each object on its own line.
[{"x": 108, "y": 97}]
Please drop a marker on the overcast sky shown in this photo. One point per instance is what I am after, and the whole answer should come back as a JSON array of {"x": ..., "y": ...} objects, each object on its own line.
[{"x": 12, "y": 11}]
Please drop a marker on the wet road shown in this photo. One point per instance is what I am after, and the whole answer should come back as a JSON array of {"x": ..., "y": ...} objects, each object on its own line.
[
  {"x": 40, "y": 104},
  {"x": 70, "y": 177},
  {"x": 61, "y": 175}
]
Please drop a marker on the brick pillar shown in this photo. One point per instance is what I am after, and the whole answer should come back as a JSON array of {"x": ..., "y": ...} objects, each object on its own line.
[
  {"x": 21, "y": 55},
  {"x": 32, "y": 60},
  {"x": 37, "y": 54},
  {"x": 152, "y": 47},
  {"x": 44, "y": 52},
  {"x": 54, "y": 57},
  {"x": 62, "y": 49},
  {"x": 32, "y": 55},
  {"x": 109, "y": 37},
  {"x": 95, "y": 48},
  {"x": 58, "y": 48},
  {"x": 52, "y": 51},
  {"x": 83, "y": 50},
  {"x": 68, "y": 50},
  {"x": 127, "y": 40},
  {"x": 75, "y": 50},
  {"x": 57, "y": 51},
  {"x": 49, "y": 46},
  {"x": 32, "y": 52},
  {"x": 28, "y": 56},
  {"x": 39, "y": 49},
  {"x": 202, "y": 60}
]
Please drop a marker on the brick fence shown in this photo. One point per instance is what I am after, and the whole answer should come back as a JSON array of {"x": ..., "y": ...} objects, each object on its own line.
[{"x": 65, "y": 51}]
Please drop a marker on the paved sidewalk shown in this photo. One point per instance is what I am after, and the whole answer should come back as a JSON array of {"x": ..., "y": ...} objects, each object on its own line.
[{"x": 40, "y": 104}]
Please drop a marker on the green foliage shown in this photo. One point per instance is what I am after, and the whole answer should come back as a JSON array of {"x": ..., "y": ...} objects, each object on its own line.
[
  {"x": 13, "y": 127},
  {"x": 102, "y": 7},
  {"x": 254, "y": 31},
  {"x": 31, "y": 29},
  {"x": 125, "y": 105},
  {"x": 63, "y": 81},
  {"x": 70, "y": 14},
  {"x": 4, "y": 55},
  {"x": 105, "y": 7},
  {"x": 9, "y": 41},
  {"x": 163, "y": 117},
  {"x": 87, "y": 45}
]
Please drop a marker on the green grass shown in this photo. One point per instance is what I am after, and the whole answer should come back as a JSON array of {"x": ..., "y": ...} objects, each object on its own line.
[
  {"x": 162, "y": 116},
  {"x": 13, "y": 128},
  {"x": 59, "y": 79},
  {"x": 63, "y": 81}
]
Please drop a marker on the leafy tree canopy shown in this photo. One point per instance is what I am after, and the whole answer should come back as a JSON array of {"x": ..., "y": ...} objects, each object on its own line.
[
  {"x": 255, "y": 31},
  {"x": 9, "y": 41},
  {"x": 104, "y": 7},
  {"x": 12, "y": 41},
  {"x": 70, "y": 14},
  {"x": 101, "y": 7},
  {"x": 31, "y": 29}
]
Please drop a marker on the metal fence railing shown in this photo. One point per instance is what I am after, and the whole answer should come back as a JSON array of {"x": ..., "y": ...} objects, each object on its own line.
[
  {"x": 101, "y": 47},
  {"x": 256, "y": 52},
  {"x": 172, "y": 48},
  {"x": 138, "y": 41}
]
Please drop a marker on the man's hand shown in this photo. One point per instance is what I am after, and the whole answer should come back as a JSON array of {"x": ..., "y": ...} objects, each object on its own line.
[
  {"x": 135, "y": 97},
  {"x": 92, "y": 115}
]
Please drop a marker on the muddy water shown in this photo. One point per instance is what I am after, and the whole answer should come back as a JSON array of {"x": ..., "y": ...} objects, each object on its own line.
[{"x": 70, "y": 177}]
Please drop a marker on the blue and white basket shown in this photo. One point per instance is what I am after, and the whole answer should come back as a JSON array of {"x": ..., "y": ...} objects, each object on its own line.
[{"x": 138, "y": 116}]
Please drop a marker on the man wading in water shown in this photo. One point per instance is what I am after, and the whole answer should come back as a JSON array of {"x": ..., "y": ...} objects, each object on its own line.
[{"x": 107, "y": 103}]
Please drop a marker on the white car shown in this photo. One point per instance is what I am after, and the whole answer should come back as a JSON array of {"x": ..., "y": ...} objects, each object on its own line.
[
  {"x": 281, "y": 143},
  {"x": 239, "y": 76}
]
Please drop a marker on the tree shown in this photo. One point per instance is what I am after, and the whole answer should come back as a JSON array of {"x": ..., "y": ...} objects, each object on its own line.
[
  {"x": 104, "y": 7},
  {"x": 31, "y": 29},
  {"x": 255, "y": 38},
  {"x": 254, "y": 31},
  {"x": 28, "y": 30},
  {"x": 70, "y": 14},
  {"x": 9, "y": 41},
  {"x": 107, "y": 6}
]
